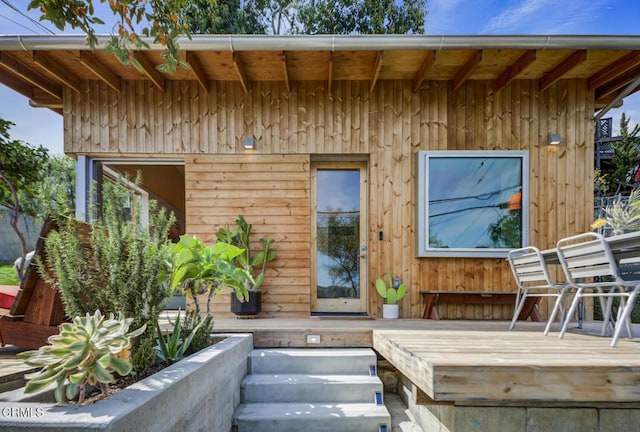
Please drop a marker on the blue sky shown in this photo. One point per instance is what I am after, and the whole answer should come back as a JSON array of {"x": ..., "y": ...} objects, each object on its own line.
[{"x": 463, "y": 17}]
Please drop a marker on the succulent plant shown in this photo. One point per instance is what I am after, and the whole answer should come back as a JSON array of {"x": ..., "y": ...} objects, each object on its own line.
[
  {"x": 86, "y": 351},
  {"x": 389, "y": 293}
]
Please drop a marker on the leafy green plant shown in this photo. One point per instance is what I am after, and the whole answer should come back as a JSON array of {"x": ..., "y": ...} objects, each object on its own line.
[
  {"x": 213, "y": 267},
  {"x": 240, "y": 236},
  {"x": 86, "y": 351},
  {"x": 389, "y": 293},
  {"x": 172, "y": 346}
]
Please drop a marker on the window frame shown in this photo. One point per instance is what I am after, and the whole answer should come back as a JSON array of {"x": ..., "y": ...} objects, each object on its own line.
[{"x": 422, "y": 199}]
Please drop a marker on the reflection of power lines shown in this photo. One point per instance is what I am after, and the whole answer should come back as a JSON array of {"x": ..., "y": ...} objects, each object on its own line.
[
  {"x": 482, "y": 196},
  {"x": 501, "y": 205}
]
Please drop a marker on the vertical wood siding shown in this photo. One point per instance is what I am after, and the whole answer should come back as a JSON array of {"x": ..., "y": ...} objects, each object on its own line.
[
  {"x": 387, "y": 127},
  {"x": 272, "y": 192}
]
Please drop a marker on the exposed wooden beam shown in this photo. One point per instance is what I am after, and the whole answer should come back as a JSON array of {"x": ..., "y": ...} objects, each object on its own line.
[
  {"x": 427, "y": 63},
  {"x": 94, "y": 65},
  {"x": 376, "y": 70},
  {"x": 56, "y": 70},
  {"x": 16, "y": 84},
  {"x": 614, "y": 70},
  {"x": 237, "y": 64},
  {"x": 46, "y": 103},
  {"x": 467, "y": 69},
  {"x": 285, "y": 72},
  {"x": 515, "y": 69},
  {"x": 620, "y": 82},
  {"x": 564, "y": 67},
  {"x": 23, "y": 72},
  {"x": 603, "y": 102},
  {"x": 330, "y": 78},
  {"x": 197, "y": 70},
  {"x": 149, "y": 70}
]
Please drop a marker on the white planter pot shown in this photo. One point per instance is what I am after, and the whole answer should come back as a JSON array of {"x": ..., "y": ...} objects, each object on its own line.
[{"x": 390, "y": 311}]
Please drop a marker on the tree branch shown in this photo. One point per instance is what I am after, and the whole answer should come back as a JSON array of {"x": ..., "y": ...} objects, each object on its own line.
[{"x": 14, "y": 224}]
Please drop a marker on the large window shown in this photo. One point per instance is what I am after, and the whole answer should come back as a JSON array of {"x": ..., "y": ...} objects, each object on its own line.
[{"x": 471, "y": 203}]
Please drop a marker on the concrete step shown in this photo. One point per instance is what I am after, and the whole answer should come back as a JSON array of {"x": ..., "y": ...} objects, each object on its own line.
[
  {"x": 312, "y": 361},
  {"x": 311, "y": 417},
  {"x": 311, "y": 388}
]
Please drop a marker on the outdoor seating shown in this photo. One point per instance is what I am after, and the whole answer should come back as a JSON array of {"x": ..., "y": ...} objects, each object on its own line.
[
  {"x": 591, "y": 269},
  {"x": 532, "y": 277}
]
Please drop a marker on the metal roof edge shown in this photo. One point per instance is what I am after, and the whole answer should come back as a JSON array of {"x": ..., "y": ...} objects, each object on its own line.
[{"x": 340, "y": 42}]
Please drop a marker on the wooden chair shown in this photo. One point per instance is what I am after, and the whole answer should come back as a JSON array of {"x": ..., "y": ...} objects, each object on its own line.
[
  {"x": 532, "y": 278},
  {"x": 37, "y": 309},
  {"x": 592, "y": 271}
]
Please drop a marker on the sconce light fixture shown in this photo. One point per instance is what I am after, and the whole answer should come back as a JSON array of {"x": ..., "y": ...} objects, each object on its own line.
[
  {"x": 249, "y": 143},
  {"x": 554, "y": 139}
]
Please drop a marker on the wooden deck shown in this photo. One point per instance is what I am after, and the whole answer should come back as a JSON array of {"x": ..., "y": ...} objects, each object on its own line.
[{"x": 460, "y": 362}]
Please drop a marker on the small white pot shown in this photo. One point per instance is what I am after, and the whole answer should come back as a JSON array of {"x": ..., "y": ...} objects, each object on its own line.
[{"x": 390, "y": 311}]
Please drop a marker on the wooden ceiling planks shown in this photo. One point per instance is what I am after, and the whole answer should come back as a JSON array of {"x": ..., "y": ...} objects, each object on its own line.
[{"x": 607, "y": 70}]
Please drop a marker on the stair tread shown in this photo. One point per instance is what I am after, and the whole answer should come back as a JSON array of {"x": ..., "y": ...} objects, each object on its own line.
[
  {"x": 297, "y": 410},
  {"x": 313, "y": 352},
  {"x": 320, "y": 379}
]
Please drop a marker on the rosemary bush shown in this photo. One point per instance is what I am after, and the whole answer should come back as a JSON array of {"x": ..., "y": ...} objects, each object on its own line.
[{"x": 118, "y": 266}]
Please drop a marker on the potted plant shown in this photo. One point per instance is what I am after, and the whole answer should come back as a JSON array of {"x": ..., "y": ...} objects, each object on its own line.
[
  {"x": 255, "y": 266},
  {"x": 620, "y": 216},
  {"x": 392, "y": 293},
  {"x": 197, "y": 267}
]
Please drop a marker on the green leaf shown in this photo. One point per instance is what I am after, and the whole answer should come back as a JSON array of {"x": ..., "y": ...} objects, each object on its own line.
[
  {"x": 402, "y": 289},
  {"x": 72, "y": 391},
  {"x": 381, "y": 288},
  {"x": 258, "y": 258},
  {"x": 121, "y": 366},
  {"x": 102, "y": 374},
  {"x": 34, "y": 386},
  {"x": 59, "y": 392},
  {"x": 391, "y": 296}
]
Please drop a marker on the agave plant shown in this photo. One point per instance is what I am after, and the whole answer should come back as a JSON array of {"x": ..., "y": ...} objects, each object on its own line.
[
  {"x": 621, "y": 215},
  {"x": 171, "y": 347},
  {"x": 86, "y": 351}
]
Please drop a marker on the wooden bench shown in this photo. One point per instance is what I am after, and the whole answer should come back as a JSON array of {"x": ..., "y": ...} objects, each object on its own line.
[
  {"x": 37, "y": 309},
  {"x": 434, "y": 298}
]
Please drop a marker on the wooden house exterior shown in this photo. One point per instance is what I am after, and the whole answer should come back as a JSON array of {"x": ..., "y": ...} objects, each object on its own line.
[{"x": 312, "y": 103}]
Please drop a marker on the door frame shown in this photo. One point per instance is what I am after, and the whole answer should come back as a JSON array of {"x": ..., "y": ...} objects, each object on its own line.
[{"x": 341, "y": 306}]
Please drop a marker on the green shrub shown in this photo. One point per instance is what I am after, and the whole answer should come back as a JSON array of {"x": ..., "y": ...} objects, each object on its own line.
[{"x": 118, "y": 266}]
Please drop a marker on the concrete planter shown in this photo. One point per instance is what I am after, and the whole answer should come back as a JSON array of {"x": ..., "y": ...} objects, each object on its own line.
[{"x": 200, "y": 392}]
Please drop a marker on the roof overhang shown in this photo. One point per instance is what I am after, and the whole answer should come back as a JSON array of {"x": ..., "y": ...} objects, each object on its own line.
[{"x": 41, "y": 66}]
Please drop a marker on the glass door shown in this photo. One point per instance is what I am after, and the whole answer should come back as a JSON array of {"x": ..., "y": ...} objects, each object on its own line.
[{"x": 339, "y": 233}]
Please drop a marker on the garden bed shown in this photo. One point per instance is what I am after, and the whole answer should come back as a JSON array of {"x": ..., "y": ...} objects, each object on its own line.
[{"x": 200, "y": 392}]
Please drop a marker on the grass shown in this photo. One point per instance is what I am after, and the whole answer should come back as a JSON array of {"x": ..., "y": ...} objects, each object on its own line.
[{"x": 8, "y": 275}]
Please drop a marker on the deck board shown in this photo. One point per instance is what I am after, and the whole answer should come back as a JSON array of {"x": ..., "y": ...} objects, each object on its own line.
[
  {"x": 460, "y": 361},
  {"x": 472, "y": 361}
]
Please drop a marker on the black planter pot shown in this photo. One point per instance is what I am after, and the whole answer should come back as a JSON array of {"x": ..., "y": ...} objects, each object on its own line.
[{"x": 251, "y": 307}]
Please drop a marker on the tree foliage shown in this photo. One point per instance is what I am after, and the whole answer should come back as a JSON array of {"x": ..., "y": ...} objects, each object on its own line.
[
  {"x": 134, "y": 19},
  {"x": 221, "y": 17},
  {"x": 24, "y": 165},
  {"x": 626, "y": 157},
  {"x": 305, "y": 16},
  {"x": 360, "y": 17}
]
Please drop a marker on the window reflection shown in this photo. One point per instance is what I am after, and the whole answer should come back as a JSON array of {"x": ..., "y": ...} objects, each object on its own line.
[{"x": 471, "y": 201}]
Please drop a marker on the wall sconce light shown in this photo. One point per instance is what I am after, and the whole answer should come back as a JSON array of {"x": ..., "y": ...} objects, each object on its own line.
[
  {"x": 249, "y": 143},
  {"x": 554, "y": 139}
]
